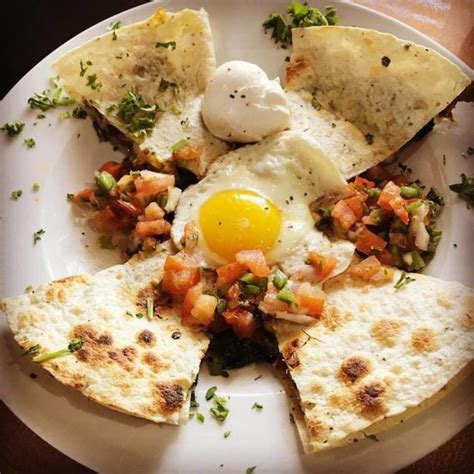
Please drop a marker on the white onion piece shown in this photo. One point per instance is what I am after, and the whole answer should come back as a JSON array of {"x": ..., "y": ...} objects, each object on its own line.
[{"x": 295, "y": 318}]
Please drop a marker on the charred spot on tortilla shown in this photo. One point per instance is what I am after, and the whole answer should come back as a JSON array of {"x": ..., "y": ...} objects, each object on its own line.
[
  {"x": 354, "y": 368},
  {"x": 290, "y": 354},
  {"x": 423, "y": 339},
  {"x": 386, "y": 331},
  {"x": 170, "y": 396},
  {"x": 146, "y": 338},
  {"x": 371, "y": 398}
]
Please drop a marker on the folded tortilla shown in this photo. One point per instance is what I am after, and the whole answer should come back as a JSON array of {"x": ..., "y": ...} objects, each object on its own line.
[
  {"x": 168, "y": 60},
  {"x": 376, "y": 355},
  {"x": 363, "y": 94},
  {"x": 127, "y": 363}
]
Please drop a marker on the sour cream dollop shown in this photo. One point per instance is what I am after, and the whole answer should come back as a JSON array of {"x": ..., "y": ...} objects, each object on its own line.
[{"x": 241, "y": 104}]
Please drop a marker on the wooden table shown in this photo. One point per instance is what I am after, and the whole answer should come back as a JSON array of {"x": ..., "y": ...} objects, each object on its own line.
[{"x": 450, "y": 22}]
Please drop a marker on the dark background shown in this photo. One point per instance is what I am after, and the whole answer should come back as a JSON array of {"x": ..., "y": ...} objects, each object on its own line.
[{"x": 31, "y": 29}]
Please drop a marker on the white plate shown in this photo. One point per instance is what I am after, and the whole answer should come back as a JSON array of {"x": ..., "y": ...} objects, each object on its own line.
[{"x": 106, "y": 440}]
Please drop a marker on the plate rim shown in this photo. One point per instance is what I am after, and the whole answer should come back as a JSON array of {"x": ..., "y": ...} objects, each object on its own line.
[{"x": 426, "y": 40}]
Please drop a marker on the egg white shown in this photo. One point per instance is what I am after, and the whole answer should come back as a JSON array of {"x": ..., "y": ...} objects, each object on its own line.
[{"x": 288, "y": 169}]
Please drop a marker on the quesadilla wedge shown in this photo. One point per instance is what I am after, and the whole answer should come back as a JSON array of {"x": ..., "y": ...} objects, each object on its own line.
[
  {"x": 143, "y": 83},
  {"x": 377, "y": 353},
  {"x": 363, "y": 94},
  {"x": 114, "y": 338}
]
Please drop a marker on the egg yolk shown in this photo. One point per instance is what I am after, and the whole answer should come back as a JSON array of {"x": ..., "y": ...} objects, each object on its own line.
[{"x": 236, "y": 220}]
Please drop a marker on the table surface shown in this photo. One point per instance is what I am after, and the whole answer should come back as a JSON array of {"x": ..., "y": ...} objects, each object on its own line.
[{"x": 450, "y": 22}]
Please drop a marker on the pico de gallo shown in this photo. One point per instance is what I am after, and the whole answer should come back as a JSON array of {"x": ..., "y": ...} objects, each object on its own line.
[{"x": 386, "y": 216}]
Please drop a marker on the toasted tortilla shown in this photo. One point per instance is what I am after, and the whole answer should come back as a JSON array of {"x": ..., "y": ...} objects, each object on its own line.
[
  {"x": 133, "y": 365},
  {"x": 128, "y": 59},
  {"x": 363, "y": 94},
  {"x": 376, "y": 355}
]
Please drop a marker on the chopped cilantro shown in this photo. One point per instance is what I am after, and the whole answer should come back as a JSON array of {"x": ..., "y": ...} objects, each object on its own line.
[
  {"x": 250, "y": 470},
  {"x": 257, "y": 406},
  {"x": 139, "y": 315},
  {"x": 33, "y": 350},
  {"x": 164, "y": 85},
  {"x": 138, "y": 117},
  {"x": 73, "y": 346},
  {"x": 69, "y": 196},
  {"x": 29, "y": 142},
  {"x": 38, "y": 235},
  {"x": 93, "y": 83},
  {"x": 84, "y": 67},
  {"x": 149, "y": 309},
  {"x": 200, "y": 417},
  {"x": 386, "y": 61},
  {"x": 15, "y": 195},
  {"x": 194, "y": 403},
  {"x": 114, "y": 27},
  {"x": 166, "y": 44},
  {"x": 314, "y": 102},
  {"x": 28, "y": 289},
  {"x": 219, "y": 411},
  {"x": 47, "y": 100},
  {"x": 105, "y": 242},
  {"x": 41, "y": 116},
  {"x": 403, "y": 280},
  {"x": 35, "y": 187},
  {"x": 434, "y": 196},
  {"x": 301, "y": 15},
  {"x": 12, "y": 128},
  {"x": 227, "y": 434},
  {"x": 183, "y": 143},
  {"x": 79, "y": 113},
  {"x": 210, "y": 393},
  {"x": 465, "y": 188}
]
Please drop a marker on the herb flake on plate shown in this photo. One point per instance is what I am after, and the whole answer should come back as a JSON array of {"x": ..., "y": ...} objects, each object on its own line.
[
  {"x": 12, "y": 128},
  {"x": 219, "y": 411},
  {"x": 15, "y": 195},
  {"x": 465, "y": 188},
  {"x": 73, "y": 346},
  {"x": 38, "y": 235},
  {"x": 30, "y": 142}
]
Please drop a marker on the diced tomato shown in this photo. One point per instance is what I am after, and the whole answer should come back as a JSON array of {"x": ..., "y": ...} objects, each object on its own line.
[
  {"x": 150, "y": 228},
  {"x": 371, "y": 270},
  {"x": 344, "y": 215},
  {"x": 179, "y": 275},
  {"x": 309, "y": 299},
  {"x": 399, "y": 180},
  {"x": 398, "y": 205},
  {"x": 242, "y": 321},
  {"x": 150, "y": 187},
  {"x": 127, "y": 207},
  {"x": 117, "y": 170},
  {"x": 367, "y": 242},
  {"x": 356, "y": 203},
  {"x": 359, "y": 181},
  {"x": 227, "y": 274},
  {"x": 323, "y": 265},
  {"x": 86, "y": 195},
  {"x": 107, "y": 222},
  {"x": 191, "y": 152},
  {"x": 198, "y": 308},
  {"x": 385, "y": 258},
  {"x": 377, "y": 174},
  {"x": 191, "y": 235},
  {"x": 191, "y": 296},
  {"x": 365, "y": 269},
  {"x": 254, "y": 260},
  {"x": 389, "y": 192}
]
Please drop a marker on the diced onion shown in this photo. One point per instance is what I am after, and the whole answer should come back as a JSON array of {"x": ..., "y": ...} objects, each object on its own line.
[{"x": 295, "y": 318}]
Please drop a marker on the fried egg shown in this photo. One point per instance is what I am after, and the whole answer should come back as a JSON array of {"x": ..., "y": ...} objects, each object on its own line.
[{"x": 258, "y": 197}]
